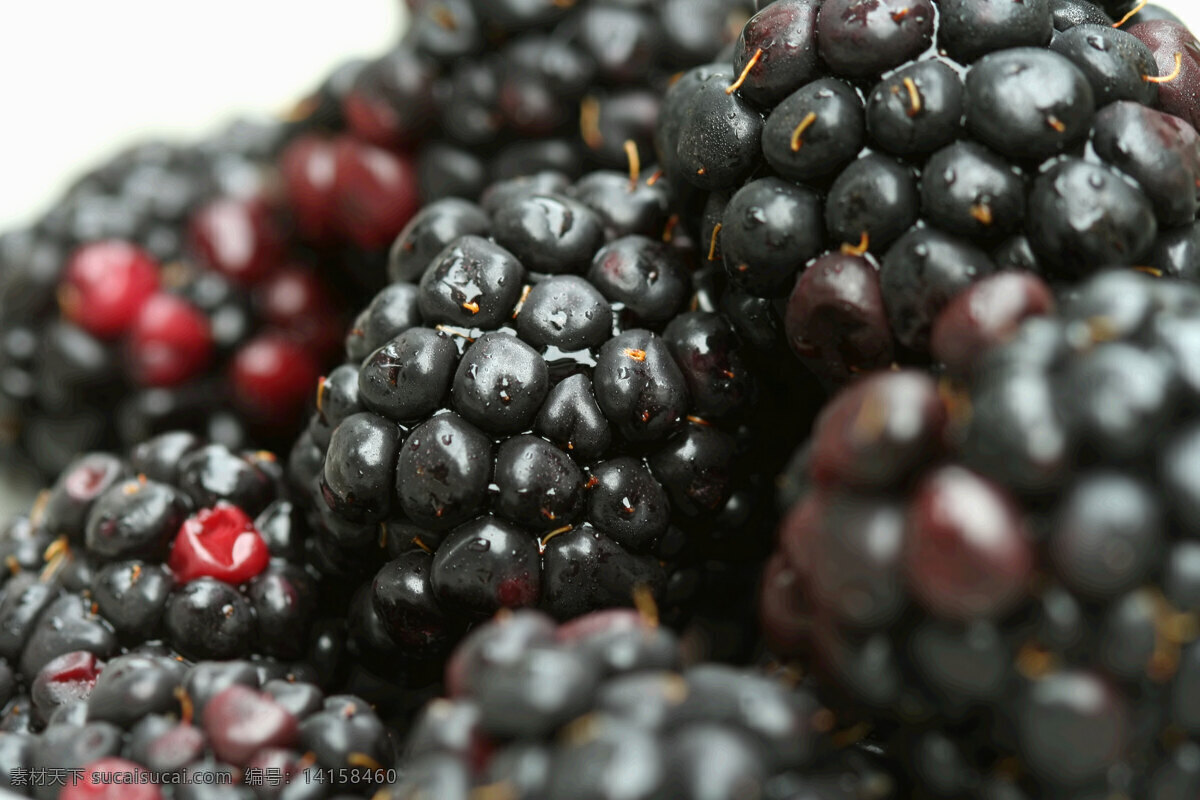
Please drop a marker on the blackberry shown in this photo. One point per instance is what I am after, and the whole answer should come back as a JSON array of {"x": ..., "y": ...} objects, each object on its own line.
[
  {"x": 906, "y": 151},
  {"x": 147, "y": 726},
  {"x": 605, "y": 706},
  {"x": 161, "y": 293},
  {"x": 542, "y": 410},
  {"x": 1000, "y": 564},
  {"x": 478, "y": 92},
  {"x": 182, "y": 547}
]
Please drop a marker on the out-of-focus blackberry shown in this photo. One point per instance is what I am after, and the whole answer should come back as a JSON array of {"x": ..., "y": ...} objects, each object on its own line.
[
  {"x": 479, "y": 91},
  {"x": 542, "y": 410},
  {"x": 145, "y": 726},
  {"x": 868, "y": 161},
  {"x": 161, "y": 293},
  {"x": 1004, "y": 563},
  {"x": 182, "y": 547},
  {"x": 604, "y": 707}
]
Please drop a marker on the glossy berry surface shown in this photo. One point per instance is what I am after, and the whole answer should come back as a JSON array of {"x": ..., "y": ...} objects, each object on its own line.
[
  {"x": 535, "y": 418},
  {"x": 473, "y": 94},
  {"x": 271, "y": 377},
  {"x": 938, "y": 142},
  {"x": 169, "y": 343},
  {"x": 606, "y": 706},
  {"x": 181, "y": 547},
  {"x": 996, "y": 557},
  {"x": 106, "y": 285},
  {"x": 218, "y": 543},
  {"x": 240, "y": 240},
  {"x": 145, "y": 724}
]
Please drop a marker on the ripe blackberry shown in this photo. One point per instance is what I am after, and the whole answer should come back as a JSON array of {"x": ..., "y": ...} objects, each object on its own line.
[
  {"x": 1003, "y": 563},
  {"x": 541, "y": 410},
  {"x": 905, "y": 150},
  {"x": 182, "y": 547},
  {"x": 144, "y": 725},
  {"x": 604, "y": 706},
  {"x": 479, "y": 91},
  {"x": 161, "y": 293}
]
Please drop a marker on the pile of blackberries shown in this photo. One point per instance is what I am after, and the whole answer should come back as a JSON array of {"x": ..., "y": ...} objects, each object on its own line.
[
  {"x": 605, "y": 707},
  {"x": 866, "y": 161},
  {"x": 542, "y": 472},
  {"x": 1003, "y": 566},
  {"x": 183, "y": 543}
]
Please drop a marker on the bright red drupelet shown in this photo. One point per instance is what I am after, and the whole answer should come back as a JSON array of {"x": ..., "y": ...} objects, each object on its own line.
[
  {"x": 105, "y": 285},
  {"x": 219, "y": 543}
]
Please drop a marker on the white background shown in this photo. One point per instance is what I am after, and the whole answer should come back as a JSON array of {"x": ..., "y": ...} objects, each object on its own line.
[{"x": 81, "y": 78}]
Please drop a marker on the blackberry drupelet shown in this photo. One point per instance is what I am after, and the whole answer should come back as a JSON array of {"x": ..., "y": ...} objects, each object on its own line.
[
  {"x": 542, "y": 410},
  {"x": 162, "y": 293},
  {"x": 604, "y": 707},
  {"x": 181, "y": 548},
  {"x": 1003, "y": 564},
  {"x": 214, "y": 729},
  {"x": 859, "y": 164}
]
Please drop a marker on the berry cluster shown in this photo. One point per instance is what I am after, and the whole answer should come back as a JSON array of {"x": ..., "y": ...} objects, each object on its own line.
[
  {"x": 1009, "y": 570},
  {"x": 541, "y": 410},
  {"x": 479, "y": 91},
  {"x": 188, "y": 546},
  {"x": 603, "y": 707},
  {"x": 869, "y": 160},
  {"x": 485, "y": 90},
  {"x": 570, "y": 388},
  {"x": 161, "y": 293},
  {"x": 144, "y": 726}
]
